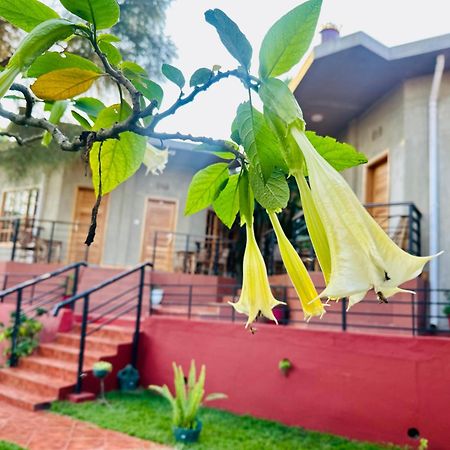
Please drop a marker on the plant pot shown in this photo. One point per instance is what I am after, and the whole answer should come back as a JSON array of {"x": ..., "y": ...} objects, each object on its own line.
[
  {"x": 100, "y": 373},
  {"x": 187, "y": 435},
  {"x": 157, "y": 296}
]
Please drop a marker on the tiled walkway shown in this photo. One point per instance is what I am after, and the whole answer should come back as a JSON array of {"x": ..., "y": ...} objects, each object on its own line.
[{"x": 47, "y": 431}]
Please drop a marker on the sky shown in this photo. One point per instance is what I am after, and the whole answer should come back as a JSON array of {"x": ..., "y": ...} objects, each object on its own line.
[{"x": 392, "y": 22}]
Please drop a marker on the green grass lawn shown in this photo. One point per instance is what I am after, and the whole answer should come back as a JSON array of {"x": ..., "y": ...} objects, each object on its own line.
[
  {"x": 8, "y": 446},
  {"x": 148, "y": 416}
]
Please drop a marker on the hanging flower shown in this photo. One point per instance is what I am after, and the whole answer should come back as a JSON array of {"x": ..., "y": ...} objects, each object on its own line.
[
  {"x": 155, "y": 160},
  {"x": 256, "y": 297},
  {"x": 362, "y": 255},
  {"x": 297, "y": 272}
]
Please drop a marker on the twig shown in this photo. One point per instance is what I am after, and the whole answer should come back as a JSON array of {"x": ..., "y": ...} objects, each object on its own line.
[{"x": 28, "y": 97}]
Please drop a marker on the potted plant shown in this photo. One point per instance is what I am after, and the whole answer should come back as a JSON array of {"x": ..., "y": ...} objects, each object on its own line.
[
  {"x": 446, "y": 309},
  {"x": 101, "y": 370},
  {"x": 189, "y": 397}
]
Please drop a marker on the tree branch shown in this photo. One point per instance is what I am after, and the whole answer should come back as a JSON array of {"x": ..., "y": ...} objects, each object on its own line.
[{"x": 27, "y": 95}]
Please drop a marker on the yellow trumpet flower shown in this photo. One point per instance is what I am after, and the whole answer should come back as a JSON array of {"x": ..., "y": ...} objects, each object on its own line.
[
  {"x": 362, "y": 255},
  {"x": 256, "y": 297},
  {"x": 155, "y": 160},
  {"x": 297, "y": 272}
]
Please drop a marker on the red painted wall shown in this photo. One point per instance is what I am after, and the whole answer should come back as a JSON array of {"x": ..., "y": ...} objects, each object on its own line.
[{"x": 361, "y": 386}]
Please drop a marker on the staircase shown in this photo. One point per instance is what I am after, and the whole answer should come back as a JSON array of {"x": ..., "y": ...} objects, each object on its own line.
[
  {"x": 50, "y": 373},
  {"x": 53, "y": 372}
]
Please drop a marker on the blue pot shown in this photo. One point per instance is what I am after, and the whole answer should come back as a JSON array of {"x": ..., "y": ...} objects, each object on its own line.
[
  {"x": 187, "y": 435},
  {"x": 100, "y": 373}
]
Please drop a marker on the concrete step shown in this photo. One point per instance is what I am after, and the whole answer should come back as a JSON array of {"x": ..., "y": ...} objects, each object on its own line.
[
  {"x": 64, "y": 370},
  {"x": 100, "y": 344},
  {"x": 112, "y": 332},
  {"x": 65, "y": 353},
  {"x": 26, "y": 400},
  {"x": 32, "y": 382}
]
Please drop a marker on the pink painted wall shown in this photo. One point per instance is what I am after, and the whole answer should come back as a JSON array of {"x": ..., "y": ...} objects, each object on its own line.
[{"x": 361, "y": 386}]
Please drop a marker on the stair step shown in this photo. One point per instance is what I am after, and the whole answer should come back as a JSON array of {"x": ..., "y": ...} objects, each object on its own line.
[
  {"x": 33, "y": 382},
  {"x": 27, "y": 400},
  {"x": 63, "y": 352},
  {"x": 64, "y": 370},
  {"x": 112, "y": 332},
  {"x": 95, "y": 343}
]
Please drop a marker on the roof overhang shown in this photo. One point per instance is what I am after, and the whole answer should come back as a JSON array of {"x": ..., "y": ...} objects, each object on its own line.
[{"x": 350, "y": 74}]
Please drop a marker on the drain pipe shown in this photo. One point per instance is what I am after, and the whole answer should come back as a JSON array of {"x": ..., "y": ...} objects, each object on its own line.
[{"x": 433, "y": 201}]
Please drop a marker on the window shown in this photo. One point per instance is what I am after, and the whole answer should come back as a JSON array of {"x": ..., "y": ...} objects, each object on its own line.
[{"x": 17, "y": 204}]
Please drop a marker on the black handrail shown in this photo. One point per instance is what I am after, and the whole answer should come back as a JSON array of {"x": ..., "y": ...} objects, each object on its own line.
[
  {"x": 85, "y": 321},
  {"x": 19, "y": 288}
]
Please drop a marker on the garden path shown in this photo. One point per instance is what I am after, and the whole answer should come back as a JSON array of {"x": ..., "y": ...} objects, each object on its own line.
[{"x": 46, "y": 431}]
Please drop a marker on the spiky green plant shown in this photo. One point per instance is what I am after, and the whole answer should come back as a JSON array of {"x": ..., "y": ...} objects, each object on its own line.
[{"x": 189, "y": 396}]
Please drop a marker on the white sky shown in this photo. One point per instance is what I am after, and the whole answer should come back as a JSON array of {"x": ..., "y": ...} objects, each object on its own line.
[{"x": 392, "y": 22}]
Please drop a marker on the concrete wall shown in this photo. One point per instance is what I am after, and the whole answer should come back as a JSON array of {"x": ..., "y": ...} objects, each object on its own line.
[{"x": 361, "y": 386}]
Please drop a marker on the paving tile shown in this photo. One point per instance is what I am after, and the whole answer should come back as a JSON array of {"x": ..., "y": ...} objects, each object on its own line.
[{"x": 46, "y": 431}]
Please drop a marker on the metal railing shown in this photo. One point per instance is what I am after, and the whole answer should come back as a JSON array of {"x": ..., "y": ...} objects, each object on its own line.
[
  {"x": 43, "y": 291},
  {"x": 190, "y": 253},
  {"x": 406, "y": 313},
  {"x": 106, "y": 311},
  {"x": 401, "y": 221},
  {"x": 43, "y": 241}
]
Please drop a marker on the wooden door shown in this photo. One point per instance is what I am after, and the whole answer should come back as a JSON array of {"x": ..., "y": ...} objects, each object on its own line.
[
  {"x": 377, "y": 189},
  {"x": 159, "y": 239},
  {"x": 78, "y": 251}
]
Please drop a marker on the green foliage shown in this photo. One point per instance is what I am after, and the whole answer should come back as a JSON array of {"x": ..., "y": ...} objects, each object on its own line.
[
  {"x": 205, "y": 187},
  {"x": 246, "y": 199},
  {"x": 120, "y": 158},
  {"x": 101, "y": 13},
  {"x": 51, "y": 61},
  {"x": 139, "y": 77},
  {"x": 57, "y": 111},
  {"x": 226, "y": 205},
  {"x": 27, "y": 336},
  {"x": 231, "y": 36},
  {"x": 112, "y": 53},
  {"x": 26, "y": 14},
  {"x": 288, "y": 39},
  {"x": 340, "y": 155},
  {"x": 89, "y": 105},
  {"x": 279, "y": 99},
  {"x": 200, "y": 76},
  {"x": 4, "y": 445},
  {"x": 259, "y": 141},
  {"x": 147, "y": 416},
  {"x": 188, "y": 397},
  {"x": 174, "y": 75},
  {"x": 274, "y": 195}
]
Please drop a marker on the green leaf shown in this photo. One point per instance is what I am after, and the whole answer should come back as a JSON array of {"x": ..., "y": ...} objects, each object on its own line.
[
  {"x": 288, "y": 39},
  {"x": 101, "y": 13},
  {"x": 231, "y": 36},
  {"x": 226, "y": 204},
  {"x": 108, "y": 38},
  {"x": 91, "y": 106},
  {"x": 131, "y": 69},
  {"x": 278, "y": 98},
  {"x": 200, "y": 76},
  {"x": 26, "y": 14},
  {"x": 57, "y": 111},
  {"x": 112, "y": 53},
  {"x": 260, "y": 143},
  {"x": 221, "y": 151},
  {"x": 205, "y": 187},
  {"x": 340, "y": 155},
  {"x": 149, "y": 89},
  {"x": 120, "y": 158},
  {"x": 246, "y": 199},
  {"x": 274, "y": 195},
  {"x": 174, "y": 75},
  {"x": 51, "y": 61},
  {"x": 82, "y": 120},
  {"x": 64, "y": 84}
]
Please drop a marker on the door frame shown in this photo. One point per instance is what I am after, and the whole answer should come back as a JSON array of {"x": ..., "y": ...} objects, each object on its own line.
[
  {"x": 74, "y": 208},
  {"x": 367, "y": 178},
  {"x": 145, "y": 209}
]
